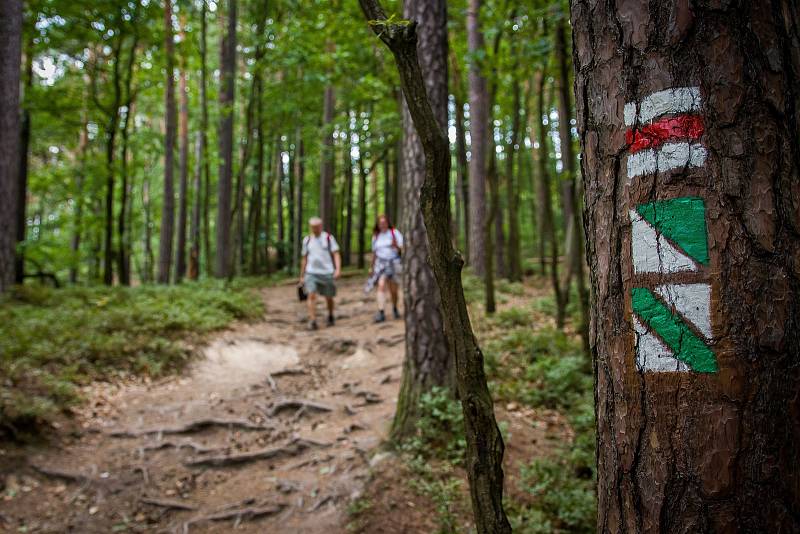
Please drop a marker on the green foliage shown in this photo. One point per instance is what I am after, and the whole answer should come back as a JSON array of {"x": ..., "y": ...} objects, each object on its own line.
[
  {"x": 442, "y": 488},
  {"x": 52, "y": 340},
  {"x": 439, "y": 430},
  {"x": 473, "y": 288}
]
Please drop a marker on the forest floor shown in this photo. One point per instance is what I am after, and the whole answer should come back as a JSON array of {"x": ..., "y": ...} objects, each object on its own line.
[{"x": 272, "y": 427}]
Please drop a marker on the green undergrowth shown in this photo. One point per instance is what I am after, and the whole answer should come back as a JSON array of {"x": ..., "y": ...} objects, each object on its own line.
[
  {"x": 54, "y": 340},
  {"x": 533, "y": 364}
]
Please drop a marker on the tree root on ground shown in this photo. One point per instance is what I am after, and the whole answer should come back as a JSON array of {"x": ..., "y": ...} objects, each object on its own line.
[
  {"x": 281, "y": 405},
  {"x": 54, "y": 472},
  {"x": 239, "y": 515},
  {"x": 168, "y": 504},
  {"x": 289, "y": 371},
  {"x": 191, "y": 426},
  {"x": 197, "y": 448},
  {"x": 293, "y": 448}
]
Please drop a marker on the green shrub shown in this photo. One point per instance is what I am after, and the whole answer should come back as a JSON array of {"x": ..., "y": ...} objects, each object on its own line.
[
  {"x": 512, "y": 317},
  {"x": 52, "y": 340},
  {"x": 440, "y": 428}
]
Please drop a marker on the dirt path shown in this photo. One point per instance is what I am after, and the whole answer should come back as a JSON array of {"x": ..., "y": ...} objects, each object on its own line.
[{"x": 275, "y": 426}]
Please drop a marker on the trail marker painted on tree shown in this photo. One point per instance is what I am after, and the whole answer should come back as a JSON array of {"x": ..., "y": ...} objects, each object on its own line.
[
  {"x": 664, "y": 131},
  {"x": 669, "y": 239}
]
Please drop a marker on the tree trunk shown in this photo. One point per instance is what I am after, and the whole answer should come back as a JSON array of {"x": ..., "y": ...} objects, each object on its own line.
[
  {"x": 299, "y": 178},
  {"x": 194, "y": 232},
  {"x": 427, "y": 363},
  {"x": 183, "y": 201},
  {"x": 204, "y": 161},
  {"x": 280, "y": 178},
  {"x": 512, "y": 188},
  {"x": 10, "y": 60},
  {"x": 112, "y": 126},
  {"x": 545, "y": 194},
  {"x": 149, "y": 258},
  {"x": 24, "y": 153},
  {"x": 484, "y": 441},
  {"x": 491, "y": 241},
  {"x": 123, "y": 232},
  {"x": 362, "y": 202},
  {"x": 479, "y": 136},
  {"x": 347, "y": 242},
  {"x": 498, "y": 220},
  {"x": 168, "y": 206},
  {"x": 241, "y": 178},
  {"x": 693, "y": 249},
  {"x": 575, "y": 262},
  {"x": 226, "y": 102},
  {"x": 327, "y": 170},
  {"x": 75, "y": 242},
  {"x": 462, "y": 180}
]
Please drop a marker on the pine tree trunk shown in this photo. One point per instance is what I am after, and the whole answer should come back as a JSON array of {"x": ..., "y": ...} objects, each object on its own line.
[
  {"x": 327, "y": 170},
  {"x": 280, "y": 178},
  {"x": 168, "y": 206},
  {"x": 462, "y": 180},
  {"x": 514, "y": 270},
  {"x": 10, "y": 59},
  {"x": 693, "y": 249},
  {"x": 479, "y": 136},
  {"x": 362, "y": 203},
  {"x": 299, "y": 177},
  {"x": 77, "y": 231},
  {"x": 24, "y": 154},
  {"x": 183, "y": 201},
  {"x": 427, "y": 363},
  {"x": 223, "y": 265},
  {"x": 194, "y": 232},
  {"x": 204, "y": 160},
  {"x": 347, "y": 242}
]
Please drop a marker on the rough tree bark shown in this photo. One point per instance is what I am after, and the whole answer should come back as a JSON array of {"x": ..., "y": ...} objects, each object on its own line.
[
  {"x": 10, "y": 58},
  {"x": 693, "y": 226},
  {"x": 24, "y": 155},
  {"x": 484, "y": 441},
  {"x": 427, "y": 362},
  {"x": 204, "y": 159},
  {"x": 327, "y": 170},
  {"x": 183, "y": 189},
  {"x": 362, "y": 202},
  {"x": 299, "y": 178},
  {"x": 512, "y": 186},
  {"x": 479, "y": 136},
  {"x": 168, "y": 206},
  {"x": 223, "y": 264}
]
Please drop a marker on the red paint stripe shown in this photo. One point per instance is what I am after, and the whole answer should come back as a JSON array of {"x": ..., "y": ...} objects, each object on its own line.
[{"x": 684, "y": 127}]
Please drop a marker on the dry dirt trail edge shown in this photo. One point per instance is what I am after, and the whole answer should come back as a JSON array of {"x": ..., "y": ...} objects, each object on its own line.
[{"x": 271, "y": 431}]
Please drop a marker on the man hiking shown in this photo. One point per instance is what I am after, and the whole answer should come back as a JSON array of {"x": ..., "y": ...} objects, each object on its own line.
[{"x": 321, "y": 264}]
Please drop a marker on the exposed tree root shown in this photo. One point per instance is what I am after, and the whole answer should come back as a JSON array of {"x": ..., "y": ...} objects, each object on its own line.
[
  {"x": 289, "y": 372},
  {"x": 281, "y": 405},
  {"x": 54, "y": 472},
  {"x": 197, "y": 448},
  {"x": 168, "y": 504},
  {"x": 191, "y": 426},
  {"x": 242, "y": 514},
  {"x": 293, "y": 448}
]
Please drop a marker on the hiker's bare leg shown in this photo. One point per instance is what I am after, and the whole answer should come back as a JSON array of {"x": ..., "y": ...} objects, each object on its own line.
[
  {"x": 312, "y": 306},
  {"x": 381, "y": 294},
  {"x": 393, "y": 290},
  {"x": 329, "y": 300}
]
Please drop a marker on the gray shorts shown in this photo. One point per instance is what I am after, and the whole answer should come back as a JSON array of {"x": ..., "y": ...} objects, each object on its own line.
[{"x": 322, "y": 284}]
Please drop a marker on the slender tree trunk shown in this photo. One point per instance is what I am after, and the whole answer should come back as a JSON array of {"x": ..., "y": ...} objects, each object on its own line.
[
  {"x": 539, "y": 157},
  {"x": 111, "y": 136},
  {"x": 575, "y": 262},
  {"x": 244, "y": 158},
  {"x": 491, "y": 241},
  {"x": 484, "y": 442},
  {"x": 427, "y": 363},
  {"x": 299, "y": 177},
  {"x": 75, "y": 242},
  {"x": 183, "y": 205},
  {"x": 203, "y": 161},
  {"x": 546, "y": 198},
  {"x": 123, "y": 256},
  {"x": 168, "y": 206},
  {"x": 194, "y": 232},
  {"x": 347, "y": 246},
  {"x": 280, "y": 178},
  {"x": 512, "y": 186},
  {"x": 327, "y": 170},
  {"x": 226, "y": 101},
  {"x": 693, "y": 262},
  {"x": 462, "y": 180},
  {"x": 498, "y": 220},
  {"x": 10, "y": 138},
  {"x": 479, "y": 136},
  {"x": 149, "y": 258},
  {"x": 25, "y": 139},
  {"x": 362, "y": 203}
]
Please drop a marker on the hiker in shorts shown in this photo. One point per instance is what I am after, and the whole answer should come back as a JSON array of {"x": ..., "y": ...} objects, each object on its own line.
[
  {"x": 387, "y": 250},
  {"x": 320, "y": 266}
]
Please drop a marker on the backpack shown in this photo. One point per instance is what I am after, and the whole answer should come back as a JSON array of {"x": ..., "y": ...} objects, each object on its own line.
[{"x": 307, "y": 240}]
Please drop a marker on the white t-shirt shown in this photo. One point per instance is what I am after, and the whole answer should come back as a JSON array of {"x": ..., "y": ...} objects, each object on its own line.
[
  {"x": 382, "y": 244},
  {"x": 318, "y": 250}
]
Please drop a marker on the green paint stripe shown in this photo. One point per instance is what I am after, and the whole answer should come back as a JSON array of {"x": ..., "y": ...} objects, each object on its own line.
[
  {"x": 682, "y": 221},
  {"x": 686, "y": 346}
]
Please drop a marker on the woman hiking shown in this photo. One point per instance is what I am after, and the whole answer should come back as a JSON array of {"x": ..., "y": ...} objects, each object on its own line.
[{"x": 387, "y": 249}]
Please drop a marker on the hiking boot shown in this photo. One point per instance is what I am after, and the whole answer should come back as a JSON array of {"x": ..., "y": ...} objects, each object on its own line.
[
  {"x": 331, "y": 320},
  {"x": 312, "y": 325},
  {"x": 396, "y": 313},
  {"x": 380, "y": 317}
]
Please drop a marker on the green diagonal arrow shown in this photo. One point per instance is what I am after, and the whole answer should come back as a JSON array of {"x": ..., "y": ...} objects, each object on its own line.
[
  {"x": 682, "y": 221},
  {"x": 686, "y": 346}
]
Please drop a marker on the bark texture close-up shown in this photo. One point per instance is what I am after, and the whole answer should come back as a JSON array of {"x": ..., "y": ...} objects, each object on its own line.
[
  {"x": 689, "y": 127},
  {"x": 427, "y": 362}
]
